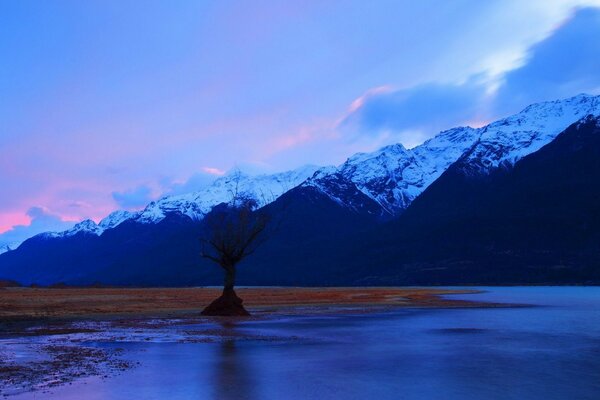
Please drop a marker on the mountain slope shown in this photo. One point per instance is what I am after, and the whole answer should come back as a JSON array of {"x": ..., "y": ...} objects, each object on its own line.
[
  {"x": 394, "y": 176},
  {"x": 382, "y": 183},
  {"x": 331, "y": 229},
  {"x": 504, "y": 142},
  {"x": 305, "y": 223},
  {"x": 263, "y": 188},
  {"x": 536, "y": 222}
]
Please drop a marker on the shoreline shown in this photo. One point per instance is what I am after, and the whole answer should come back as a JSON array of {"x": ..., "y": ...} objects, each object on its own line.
[
  {"x": 60, "y": 326},
  {"x": 47, "y": 304}
]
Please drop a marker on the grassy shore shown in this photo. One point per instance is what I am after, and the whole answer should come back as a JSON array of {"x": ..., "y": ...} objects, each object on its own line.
[
  {"x": 56, "y": 325},
  {"x": 40, "y": 303}
]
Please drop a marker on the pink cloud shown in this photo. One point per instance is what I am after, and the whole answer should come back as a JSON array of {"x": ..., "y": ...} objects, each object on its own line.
[
  {"x": 10, "y": 219},
  {"x": 360, "y": 101},
  {"x": 287, "y": 141},
  {"x": 213, "y": 171}
]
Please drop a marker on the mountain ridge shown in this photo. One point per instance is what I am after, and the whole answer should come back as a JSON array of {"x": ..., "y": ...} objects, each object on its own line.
[
  {"x": 123, "y": 242},
  {"x": 391, "y": 177}
]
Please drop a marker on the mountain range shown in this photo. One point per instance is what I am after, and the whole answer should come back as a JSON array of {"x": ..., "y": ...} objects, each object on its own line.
[{"x": 511, "y": 202}]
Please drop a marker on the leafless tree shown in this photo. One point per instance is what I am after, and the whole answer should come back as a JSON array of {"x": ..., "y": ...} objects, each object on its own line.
[{"x": 234, "y": 230}]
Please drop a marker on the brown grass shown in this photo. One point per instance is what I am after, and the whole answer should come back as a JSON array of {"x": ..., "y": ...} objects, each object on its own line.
[{"x": 28, "y": 303}]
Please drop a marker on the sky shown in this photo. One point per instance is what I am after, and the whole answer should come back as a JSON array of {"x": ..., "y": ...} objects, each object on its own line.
[{"x": 110, "y": 104}]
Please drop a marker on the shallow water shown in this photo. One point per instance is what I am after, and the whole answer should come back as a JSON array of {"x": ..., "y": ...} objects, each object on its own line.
[{"x": 549, "y": 351}]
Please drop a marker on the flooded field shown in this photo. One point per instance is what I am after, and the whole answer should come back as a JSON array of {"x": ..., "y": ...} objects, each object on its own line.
[{"x": 550, "y": 350}]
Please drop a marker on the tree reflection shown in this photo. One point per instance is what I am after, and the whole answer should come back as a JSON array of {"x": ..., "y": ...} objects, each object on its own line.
[{"x": 234, "y": 374}]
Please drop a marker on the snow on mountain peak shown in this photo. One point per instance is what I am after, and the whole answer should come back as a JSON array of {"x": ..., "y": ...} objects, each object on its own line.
[
  {"x": 390, "y": 178},
  {"x": 86, "y": 226},
  {"x": 506, "y": 141},
  {"x": 116, "y": 218},
  {"x": 263, "y": 188},
  {"x": 394, "y": 176}
]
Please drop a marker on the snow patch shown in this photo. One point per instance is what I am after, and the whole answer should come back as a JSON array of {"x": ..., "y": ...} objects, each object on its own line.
[{"x": 394, "y": 176}]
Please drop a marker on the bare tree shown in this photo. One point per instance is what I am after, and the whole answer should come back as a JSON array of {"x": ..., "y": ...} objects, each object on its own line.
[{"x": 233, "y": 231}]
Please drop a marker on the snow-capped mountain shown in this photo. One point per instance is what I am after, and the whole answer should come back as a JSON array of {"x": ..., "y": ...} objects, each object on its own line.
[
  {"x": 383, "y": 182},
  {"x": 263, "y": 188},
  {"x": 394, "y": 176},
  {"x": 86, "y": 226},
  {"x": 116, "y": 218},
  {"x": 321, "y": 236},
  {"x": 504, "y": 142}
]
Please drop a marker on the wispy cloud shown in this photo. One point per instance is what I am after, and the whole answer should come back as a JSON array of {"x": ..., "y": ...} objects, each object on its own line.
[
  {"x": 40, "y": 220},
  {"x": 213, "y": 171},
  {"x": 88, "y": 128},
  {"x": 563, "y": 64},
  {"x": 133, "y": 198},
  {"x": 425, "y": 108}
]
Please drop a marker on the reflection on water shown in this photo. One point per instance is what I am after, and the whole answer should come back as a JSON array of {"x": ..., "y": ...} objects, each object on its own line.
[
  {"x": 233, "y": 377},
  {"x": 550, "y": 352}
]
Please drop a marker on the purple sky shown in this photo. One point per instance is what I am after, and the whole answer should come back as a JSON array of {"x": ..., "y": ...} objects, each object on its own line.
[{"x": 110, "y": 104}]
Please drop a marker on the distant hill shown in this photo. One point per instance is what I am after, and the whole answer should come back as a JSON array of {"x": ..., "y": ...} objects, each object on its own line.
[
  {"x": 512, "y": 202},
  {"x": 537, "y": 222}
]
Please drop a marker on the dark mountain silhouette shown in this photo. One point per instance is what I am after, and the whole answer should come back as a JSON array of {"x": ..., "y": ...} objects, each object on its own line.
[
  {"x": 535, "y": 222},
  {"x": 168, "y": 253},
  {"x": 133, "y": 254}
]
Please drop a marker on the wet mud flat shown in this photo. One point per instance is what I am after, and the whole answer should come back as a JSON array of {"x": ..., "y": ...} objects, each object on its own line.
[{"x": 52, "y": 337}]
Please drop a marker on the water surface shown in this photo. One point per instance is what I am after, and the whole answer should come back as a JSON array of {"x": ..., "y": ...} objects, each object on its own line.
[{"x": 548, "y": 351}]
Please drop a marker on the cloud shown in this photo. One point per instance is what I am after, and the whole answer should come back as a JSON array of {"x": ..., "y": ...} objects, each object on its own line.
[
  {"x": 201, "y": 180},
  {"x": 564, "y": 64},
  {"x": 213, "y": 171},
  {"x": 74, "y": 132},
  {"x": 141, "y": 195},
  {"x": 38, "y": 213},
  {"x": 194, "y": 183},
  {"x": 420, "y": 110},
  {"x": 133, "y": 198},
  {"x": 41, "y": 221}
]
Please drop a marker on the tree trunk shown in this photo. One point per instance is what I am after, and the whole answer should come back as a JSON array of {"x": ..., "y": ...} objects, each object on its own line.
[
  {"x": 229, "y": 304},
  {"x": 229, "y": 279}
]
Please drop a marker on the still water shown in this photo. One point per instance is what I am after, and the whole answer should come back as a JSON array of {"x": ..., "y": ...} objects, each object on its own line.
[{"x": 547, "y": 351}]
